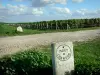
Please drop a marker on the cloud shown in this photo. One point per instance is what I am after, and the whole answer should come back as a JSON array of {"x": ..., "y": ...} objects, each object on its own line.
[
  {"x": 37, "y": 11},
  {"x": 62, "y": 10},
  {"x": 3, "y": 13},
  {"x": 42, "y": 3},
  {"x": 84, "y": 13},
  {"x": 23, "y": 10},
  {"x": 61, "y": 1},
  {"x": 19, "y": 10},
  {"x": 16, "y": 9},
  {"x": 77, "y": 1}
]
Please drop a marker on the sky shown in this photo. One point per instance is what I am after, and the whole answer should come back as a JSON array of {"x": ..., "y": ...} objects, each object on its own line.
[{"x": 45, "y": 10}]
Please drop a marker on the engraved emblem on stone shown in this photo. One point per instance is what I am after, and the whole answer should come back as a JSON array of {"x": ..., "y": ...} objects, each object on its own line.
[{"x": 63, "y": 52}]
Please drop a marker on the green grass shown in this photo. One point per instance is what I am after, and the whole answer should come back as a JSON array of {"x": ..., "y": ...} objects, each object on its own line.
[
  {"x": 38, "y": 61},
  {"x": 89, "y": 51},
  {"x": 87, "y": 57},
  {"x": 6, "y": 30}
]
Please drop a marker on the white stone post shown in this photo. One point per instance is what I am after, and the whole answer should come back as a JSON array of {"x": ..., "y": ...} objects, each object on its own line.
[{"x": 63, "y": 58}]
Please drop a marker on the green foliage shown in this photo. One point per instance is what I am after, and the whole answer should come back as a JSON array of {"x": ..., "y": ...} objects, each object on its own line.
[
  {"x": 26, "y": 63},
  {"x": 62, "y": 24}
]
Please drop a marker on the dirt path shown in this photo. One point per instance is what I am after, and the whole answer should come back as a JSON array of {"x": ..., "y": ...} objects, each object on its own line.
[{"x": 14, "y": 44}]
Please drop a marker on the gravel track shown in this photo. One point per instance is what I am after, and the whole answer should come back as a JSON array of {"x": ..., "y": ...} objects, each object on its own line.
[{"x": 10, "y": 45}]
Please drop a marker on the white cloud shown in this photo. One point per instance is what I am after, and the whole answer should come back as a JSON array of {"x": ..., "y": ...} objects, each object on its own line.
[
  {"x": 46, "y": 1},
  {"x": 37, "y": 11},
  {"x": 62, "y": 10},
  {"x": 3, "y": 13},
  {"x": 82, "y": 11},
  {"x": 23, "y": 10},
  {"x": 61, "y": 1},
  {"x": 77, "y": 1},
  {"x": 42, "y": 3},
  {"x": 16, "y": 9}
]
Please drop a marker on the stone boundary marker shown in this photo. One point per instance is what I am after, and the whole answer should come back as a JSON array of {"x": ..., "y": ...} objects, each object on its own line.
[{"x": 63, "y": 58}]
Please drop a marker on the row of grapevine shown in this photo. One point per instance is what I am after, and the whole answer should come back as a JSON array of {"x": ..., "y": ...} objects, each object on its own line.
[{"x": 61, "y": 24}]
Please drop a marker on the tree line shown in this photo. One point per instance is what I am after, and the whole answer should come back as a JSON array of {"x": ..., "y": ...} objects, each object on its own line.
[{"x": 60, "y": 24}]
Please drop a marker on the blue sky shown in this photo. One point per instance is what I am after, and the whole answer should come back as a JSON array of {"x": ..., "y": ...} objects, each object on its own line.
[{"x": 40, "y": 10}]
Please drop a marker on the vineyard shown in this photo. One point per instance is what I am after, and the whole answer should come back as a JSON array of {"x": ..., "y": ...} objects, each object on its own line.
[
  {"x": 60, "y": 24},
  {"x": 9, "y": 29}
]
